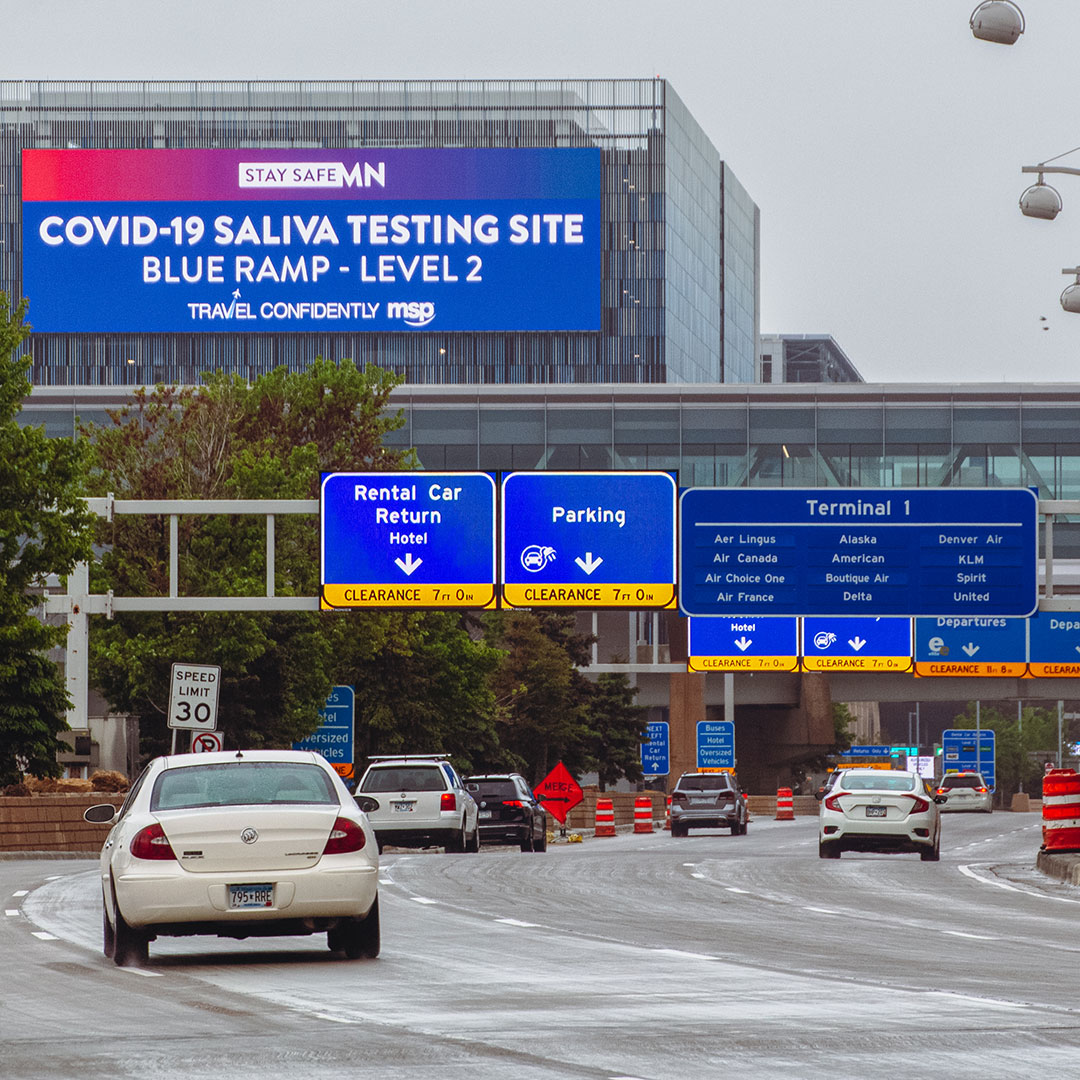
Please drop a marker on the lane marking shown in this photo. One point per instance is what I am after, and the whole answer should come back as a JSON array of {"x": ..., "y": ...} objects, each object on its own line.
[
  {"x": 44, "y": 936},
  {"x": 731, "y": 888},
  {"x": 517, "y": 922},
  {"x": 11, "y": 911},
  {"x": 683, "y": 954},
  {"x": 422, "y": 900},
  {"x": 822, "y": 910},
  {"x": 21, "y": 892},
  {"x": 976, "y": 937},
  {"x": 1014, "y": 888},
  {"x": 144, "y": 974},
  {"x": 698, "y": 875}
]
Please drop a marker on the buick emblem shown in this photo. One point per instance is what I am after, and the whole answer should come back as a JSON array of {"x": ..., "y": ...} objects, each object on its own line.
[{"x": 249, "y": 836}]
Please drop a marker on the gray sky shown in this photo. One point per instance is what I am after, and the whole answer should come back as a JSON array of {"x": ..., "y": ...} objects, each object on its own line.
[{"x": 882, "y": 142}]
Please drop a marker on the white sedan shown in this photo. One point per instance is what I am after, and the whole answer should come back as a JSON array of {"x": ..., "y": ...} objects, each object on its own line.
[
  {"x": 879, "y": 810},
  {"x": 251, "y": 843}
]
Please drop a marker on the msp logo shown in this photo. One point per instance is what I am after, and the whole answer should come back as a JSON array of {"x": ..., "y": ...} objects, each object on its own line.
[
  {"x": 536, "y": 556},
  {"x": 415, "y": 313},
  {"x": 824, "y": 638}
]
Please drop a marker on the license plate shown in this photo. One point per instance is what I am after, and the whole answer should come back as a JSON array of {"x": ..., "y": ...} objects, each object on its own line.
[
  {"x": 251, "y": 896},
  {"x": 706, "y": 800},
  {"x": 876, "y": 811},
  {"x": 403, "y": 807},
  {"x": 485, "y": 814}
]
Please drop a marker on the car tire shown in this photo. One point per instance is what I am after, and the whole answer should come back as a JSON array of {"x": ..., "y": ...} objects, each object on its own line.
[
  {"x": 131, "y": 946},
  {"x": 735, "y": 829},
  {"x": 931, "y": 854},
  {"x": 828, "y": 849},
  {"x": 678, "y": 830},
  {"x": 360, "y": 938},
  {"x": 473, "y": 847},
  {"x": 528, "y": 841},
  {"x": 108, "y": 935},
  {"x": 455, "y": 842},
  {"x": 541, "y": 843}
]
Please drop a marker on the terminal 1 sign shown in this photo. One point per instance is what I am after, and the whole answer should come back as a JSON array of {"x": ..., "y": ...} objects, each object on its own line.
[
  {"x": 808, "y": 552},
  {"x": 264, "y": 240}
]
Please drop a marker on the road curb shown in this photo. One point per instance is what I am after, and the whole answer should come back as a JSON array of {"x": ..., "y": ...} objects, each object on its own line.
[{"x": 1064, "y": 867}]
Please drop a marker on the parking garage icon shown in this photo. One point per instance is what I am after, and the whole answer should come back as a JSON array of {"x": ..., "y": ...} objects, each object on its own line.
[{"x": 536, "y": 556}]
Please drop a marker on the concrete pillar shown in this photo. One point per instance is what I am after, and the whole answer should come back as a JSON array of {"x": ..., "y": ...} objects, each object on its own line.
[{"x": 687, "y": 707}]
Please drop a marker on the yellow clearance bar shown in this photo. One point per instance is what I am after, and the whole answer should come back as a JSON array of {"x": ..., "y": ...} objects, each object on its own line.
[
  {"x": 925, "y": 670},
  {"x": 863, "y": 765},
  {"x": 857, "y": 663},
  {"x": 407, "y": 596},
  {"x": 636, "y": 596},
  {"x": 742, "y": 663},
  {"x": 1054, "y": 671}
]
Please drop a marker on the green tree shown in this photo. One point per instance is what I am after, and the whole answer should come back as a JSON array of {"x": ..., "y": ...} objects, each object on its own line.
[
  {"x": 44, "y": 529},
  {"x": 542, "y": 696},
  {"x": 230, "y": 440},
  {"x": 617, "y": 729}
]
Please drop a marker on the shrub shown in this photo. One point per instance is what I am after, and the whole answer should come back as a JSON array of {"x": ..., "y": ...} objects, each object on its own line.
[
  {"x": 109, "y": 780},
  {"x": 17, "y": 790}
]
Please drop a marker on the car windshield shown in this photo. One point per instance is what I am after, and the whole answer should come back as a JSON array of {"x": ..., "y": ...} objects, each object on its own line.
[
  {"x": 879, "y": 781},
  {"x": 719, "y": 782},
  {"x": 405, "y": 778},
  {"x": 962, "y": 782},
  {"x": 241, "y": 783}
]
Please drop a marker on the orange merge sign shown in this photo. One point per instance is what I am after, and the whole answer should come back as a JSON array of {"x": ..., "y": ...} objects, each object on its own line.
[{"x": 559, "y": 793}]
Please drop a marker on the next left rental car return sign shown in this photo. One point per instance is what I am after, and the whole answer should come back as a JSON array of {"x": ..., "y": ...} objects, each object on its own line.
[{"x": 408, "y": 540}]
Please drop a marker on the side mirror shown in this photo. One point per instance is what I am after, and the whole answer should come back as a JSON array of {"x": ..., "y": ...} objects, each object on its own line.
[
  {"x": 366, "y": 803},
  {"x": 819, "y": 794},
  {"x": 101, "y": 814},
  {"x": 939, "y": 799}
]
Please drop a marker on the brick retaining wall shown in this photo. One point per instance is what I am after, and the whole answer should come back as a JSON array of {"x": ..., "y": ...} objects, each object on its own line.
[{"x": 52, "y": 822}]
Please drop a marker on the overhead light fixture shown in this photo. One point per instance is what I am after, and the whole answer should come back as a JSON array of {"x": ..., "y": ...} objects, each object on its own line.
[
  {"x": 999, "y": 21},
  {"x": 1040, "y": 201},
  {"x": 1070, "y": 296}
]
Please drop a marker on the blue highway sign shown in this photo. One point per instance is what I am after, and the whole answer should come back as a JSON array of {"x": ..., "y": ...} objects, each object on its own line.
[
  {"x": 656, "y": 753},
  {"x": 970, "y": 750},
  {"x": 589, "y": 540},
  {"x": 738, "y": 644},
  {"x": 1054, "y": 644},
  {"x": 867, "y": 751},
  {"x": 830, "y": 644},
  {"x": 810, "y": 552},
  {"x": 408, "y": 540},
  {"x": 715, "y": 744},
  {"x": 971, "y": 646},
  {"x": 333, "y": 738}
]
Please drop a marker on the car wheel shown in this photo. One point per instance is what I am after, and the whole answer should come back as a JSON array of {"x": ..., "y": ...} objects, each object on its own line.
[
  {"x": 131, "y": 947},
  {"x": 828, "y": 849},
  {"x": 360, "y": 938},
  {"x": 108, "y": 935},
  {"x": 678, "y": 830},
  {"x": 455, "y": 843},
  {"x": 528, "y": 842},
  {"x": 474, "y": 846},
  {"x": 931, "y": 854},
  {"x": 541, "y": 843},
  {"x": 735, "y": 830}
]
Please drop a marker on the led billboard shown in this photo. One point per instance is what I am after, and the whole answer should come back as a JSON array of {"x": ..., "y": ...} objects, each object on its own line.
[{"x": 212, "y": 241}]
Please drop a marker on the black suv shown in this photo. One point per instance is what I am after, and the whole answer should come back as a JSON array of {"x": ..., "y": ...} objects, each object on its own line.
[
  {"x": 708, "y": 801},
  {"x": 509, "y": 812}
]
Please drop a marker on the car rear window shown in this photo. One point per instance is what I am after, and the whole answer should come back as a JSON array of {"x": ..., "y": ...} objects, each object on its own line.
[
  {"x": 962, "y": 782},
  {"x": 493, "y": 789},
  {"x": 718, "y": 782},
  {"x": 405, "y": 778},
  {"x": 879, "y": 781},
  {"x": 241, "y": 783}
]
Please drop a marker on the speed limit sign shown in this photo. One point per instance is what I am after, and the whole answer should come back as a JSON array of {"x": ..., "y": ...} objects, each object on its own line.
[{"x": 193, "y": 696}]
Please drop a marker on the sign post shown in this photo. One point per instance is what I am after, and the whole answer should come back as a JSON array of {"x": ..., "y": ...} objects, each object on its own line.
[{"x": 193, "y": 698}]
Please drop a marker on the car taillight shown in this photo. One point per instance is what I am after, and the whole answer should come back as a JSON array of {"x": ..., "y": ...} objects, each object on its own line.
[
  {"x": 678, "y": 796},
  {"x": 942, "y": 791},
  {"x": 152, "y": 843},
  {"x": 512, "y": 802},
  {"x": 982, "y": 790},
  {"x": 448, "y": 801},
  {"x": 344, "y": 837},
  {"x": 833, "y": 803},
  {"x": 920, "y": 805}
]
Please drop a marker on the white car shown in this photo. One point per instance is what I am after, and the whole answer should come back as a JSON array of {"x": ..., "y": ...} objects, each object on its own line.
[
  {"x": 879, "y": 810},
  {"x": 421, "y": 802},
  {"x": 966, "y": 791},
  {"x": 240, "y": 843}
]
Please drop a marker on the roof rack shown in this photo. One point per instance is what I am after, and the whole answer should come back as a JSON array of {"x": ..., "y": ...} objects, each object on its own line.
[{"x": 408, "y": 757}]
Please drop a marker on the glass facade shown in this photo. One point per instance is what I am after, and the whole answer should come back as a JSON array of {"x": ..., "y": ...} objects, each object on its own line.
[
  {"x": 839, "y": 435},
  {"x": 673, "y": 309}
]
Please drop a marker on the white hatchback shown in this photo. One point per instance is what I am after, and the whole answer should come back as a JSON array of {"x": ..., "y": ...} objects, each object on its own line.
[
  {"x": 251, "y": 843},
  {"x": 879, "y": 810}
]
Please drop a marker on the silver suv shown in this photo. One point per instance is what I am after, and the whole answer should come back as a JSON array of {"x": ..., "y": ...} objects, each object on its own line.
[
  {"x": 420, "y": 801},
  {"x": 708, "y": 801}
]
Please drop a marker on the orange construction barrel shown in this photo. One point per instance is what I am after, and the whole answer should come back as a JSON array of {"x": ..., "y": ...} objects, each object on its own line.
[
  {"x": 605, "y": 817},
  {"x": 1061, "y": 810},
  {"x": 785, "y": 804},
  {"x": 643, "y": 814}
]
